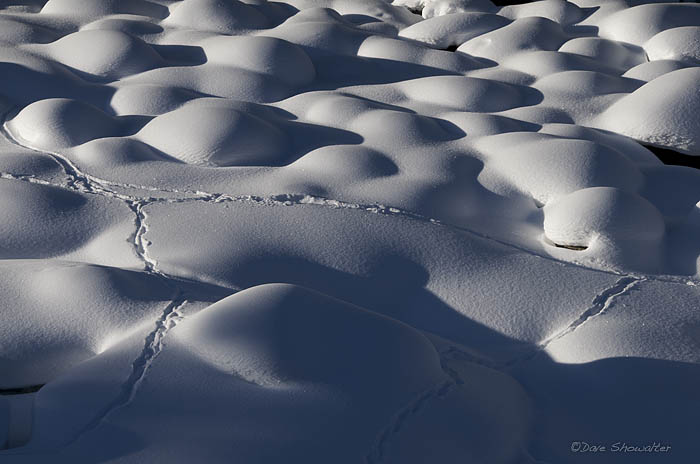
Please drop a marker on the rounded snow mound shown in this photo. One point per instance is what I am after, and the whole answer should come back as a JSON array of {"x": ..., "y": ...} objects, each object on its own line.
[
  {"x": 438, "y": 8},
  {"x": 453, "y": 29},
  {"x": 531, "y": 33},
  {"x": 605, "y": 50},
  {"x": 16, "y": 32},
  {"x": 465, "y": 93},
  {"x": 346, "y": 161},
  {"x": 265, "y": 55},
  {"x": 585, "y": 83},
  {"x": 638, "y": 24},
  {"x": 281, "y": 333},
  {"x": 128, "y": 24},
  {"x": 334, "y": 109},
  {"x": 213, "y": 133},
  {"x": 559, "y": 11},
  {"x": 97, "y": 9},
  {"x": 547, "y": 167},
  {"x": 680, "y": 43},
  {"x": 402, "y": 128},
  {"x": 59, "y": 314},
  {"x": 411, "y": 52},
  {"x": 105, "y": 53},
  {"x": 149, "y": 99},
  {"x": 542, "y": 63},
  {"x": 579, "y": 218},
  {"x": 227, "y": 17},
  {"x": 57, "y": 123},
  {"x": 41, "y": 221},
  {"x": 652, "y": 69},
  {"x": 662, "y": 112}
]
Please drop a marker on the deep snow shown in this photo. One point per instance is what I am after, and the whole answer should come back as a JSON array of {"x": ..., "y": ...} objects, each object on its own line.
[{"x": 330, "y": 231}]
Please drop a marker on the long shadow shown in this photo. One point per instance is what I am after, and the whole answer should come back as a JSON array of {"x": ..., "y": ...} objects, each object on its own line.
[
  {"x": 24, "y": 85},
  {"x": 632, "y": 401},
  {"x": 307, "y": 137},
  {"x": 616, "y": 403},
  {"x": 393, "y": 286},
  {"x": 181, "y": 55}
]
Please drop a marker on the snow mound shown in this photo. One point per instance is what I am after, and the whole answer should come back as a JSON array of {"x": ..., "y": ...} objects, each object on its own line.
[
  {"x": 660, "y": 112},
  {"x": 454, "y": 29},
  {"x": 560, "y": 11},
  {"x": 466, "y": 93},
  {"x": 290, "y": 334},
  {"x": 104, "y": 53},
  {"x": 680, "y": 44},
  {"x": 91, "y": 307},
  {"x": 348, "y": 161},
  {"x": 602, "y": 211},
  {"x": 547, "y": 167},
  {"x": 637, "y": 328},
  {"x": 213, "y": 133},
  {"x": 403, "y": 128},
  {"x": 89, "y": 9},
  {"x": 404, "y": 51},
  {"x": 369, "y": 401},
  {"x": 650, "y": 70},
  {"x": 436, "y": 8},
  {"x": 625, "y": 227},
  {"x": 56, "y": 217},
  {"x": 347, "y": 231},
  {"x": 18, "y": 32},
  {"x": 149, "y": 99},
  {"x": 60, "y": 122},
  {"x": 606, "y": 51},
  {"x": 638, "y": 24},
  {"x": 265, "y": 55},
  {"x": 214, "y": 16},
  {"x": 531, "y": 33}
]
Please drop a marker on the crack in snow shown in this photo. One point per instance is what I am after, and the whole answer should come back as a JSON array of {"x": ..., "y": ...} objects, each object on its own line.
[
  {"x": 601, "y": 304},
  {"x": 86, "y": 183},
  {"x": 383, "y": 441},
  {"x": 399, "y": 419},
  {"x": 153, "y": 346},
  {"x": 141, "y": 243}
]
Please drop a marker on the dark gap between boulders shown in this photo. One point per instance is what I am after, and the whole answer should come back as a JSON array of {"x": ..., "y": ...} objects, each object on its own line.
[
  {"x": 571, "y": 247},
  {"x": 20, "y": 390},
  {"x": 674, "y": 158}
]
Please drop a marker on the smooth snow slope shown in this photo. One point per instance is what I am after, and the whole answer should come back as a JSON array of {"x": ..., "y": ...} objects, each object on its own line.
[{"x": 348, "y": 231}]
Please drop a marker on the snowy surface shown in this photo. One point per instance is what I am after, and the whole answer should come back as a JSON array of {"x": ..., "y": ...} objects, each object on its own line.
[{"x": 348, "y": 231}]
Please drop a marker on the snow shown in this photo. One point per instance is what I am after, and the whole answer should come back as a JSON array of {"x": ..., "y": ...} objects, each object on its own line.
[
  {"x": 611, "y": 220},
  {"x": 347, "y": 231},
  {"x": 654, "y": 112},
  {"x": 60, "y": 123},
  {"x": 679, "y": 43},
  {"x": 212, "y": 132}
]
